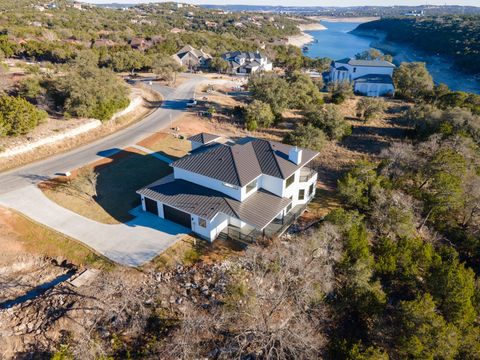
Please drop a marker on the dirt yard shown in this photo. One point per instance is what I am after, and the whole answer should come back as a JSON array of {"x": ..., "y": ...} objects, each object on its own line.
[{"x": 166, "y": 144}]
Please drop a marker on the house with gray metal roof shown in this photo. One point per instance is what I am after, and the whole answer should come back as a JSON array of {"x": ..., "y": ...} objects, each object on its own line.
[
  {"x": 246, "y": 62},
  {"x": 225, "y": 186},
  {"x": 192, "y": 58},
  {"x": 369, "y": 77}
]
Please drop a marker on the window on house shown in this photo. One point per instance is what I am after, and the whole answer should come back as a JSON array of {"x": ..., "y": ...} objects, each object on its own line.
[
  {"x": 202, "y": 222},
  {"x": 251, "y": 186},
  {"x": 290, "y": 181},
  {"x": 301, "y": 194},
  {"x": 310, "y": 190},
  {"x": 354, "y": 69}
]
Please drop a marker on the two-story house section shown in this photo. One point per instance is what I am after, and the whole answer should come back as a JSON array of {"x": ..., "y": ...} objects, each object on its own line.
[
  {"x": 369, "y": 77},
  {"x": 245, "y": 185},
  {"x": 247, "y": 62}
]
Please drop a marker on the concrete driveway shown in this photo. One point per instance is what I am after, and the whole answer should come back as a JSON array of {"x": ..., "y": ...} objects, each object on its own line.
[{"x": 132, "y": 244}]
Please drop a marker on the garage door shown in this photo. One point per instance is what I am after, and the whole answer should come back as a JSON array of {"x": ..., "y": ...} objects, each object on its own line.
[
  {"x": 177, "y": 216},
  {"x": 151, "y": 206}
]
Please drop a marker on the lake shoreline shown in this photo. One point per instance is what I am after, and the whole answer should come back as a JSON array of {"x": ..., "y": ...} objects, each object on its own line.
[{"x": 305, "y": 38}]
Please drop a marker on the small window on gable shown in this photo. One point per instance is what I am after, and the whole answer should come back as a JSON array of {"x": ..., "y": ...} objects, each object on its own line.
[
  {"x": 290, "y": 181},
  {"x": 251, "y": 186},
  {"x": 202, "y": 222}
]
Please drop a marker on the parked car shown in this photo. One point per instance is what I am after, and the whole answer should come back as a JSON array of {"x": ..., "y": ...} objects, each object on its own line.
[{"x": 192, "y": 103}]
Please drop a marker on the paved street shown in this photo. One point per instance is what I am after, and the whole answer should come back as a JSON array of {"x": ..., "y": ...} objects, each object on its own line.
[{"x": 172, "y": 107}]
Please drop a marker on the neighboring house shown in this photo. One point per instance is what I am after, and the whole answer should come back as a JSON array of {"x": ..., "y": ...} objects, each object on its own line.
[
  {"x": 140, "y": 43},
  {"x": 369, "y": 77},
  {"x": 192, "y": 58},
  {"x": 246, "y": 62},
  {"x": 249, "y": 187}
]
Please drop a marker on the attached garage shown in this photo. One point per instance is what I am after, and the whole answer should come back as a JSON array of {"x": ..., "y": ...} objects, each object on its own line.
[
  {"x": 151, "y": 206},
  {"x": 177, "y": 216}
]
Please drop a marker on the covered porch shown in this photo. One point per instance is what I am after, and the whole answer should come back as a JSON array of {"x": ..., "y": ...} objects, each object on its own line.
[{"x": 248, "y": 234}]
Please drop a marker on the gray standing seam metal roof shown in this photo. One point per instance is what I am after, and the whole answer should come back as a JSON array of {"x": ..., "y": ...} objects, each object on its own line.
[
  {"x": 203, "y": 138},
  {"x": 243, "y": 162},
  {"x": 258, "y": 210}
]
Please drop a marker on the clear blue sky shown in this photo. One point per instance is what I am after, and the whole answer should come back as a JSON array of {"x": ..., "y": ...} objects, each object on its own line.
[{"x": 307, "y": 2}]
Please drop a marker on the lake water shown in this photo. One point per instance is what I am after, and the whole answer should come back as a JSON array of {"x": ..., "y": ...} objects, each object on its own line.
[{"x": 336, "y": 42}]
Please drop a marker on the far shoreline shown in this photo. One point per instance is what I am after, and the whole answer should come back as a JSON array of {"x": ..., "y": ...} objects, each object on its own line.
[{"x": 305, "y": 38}]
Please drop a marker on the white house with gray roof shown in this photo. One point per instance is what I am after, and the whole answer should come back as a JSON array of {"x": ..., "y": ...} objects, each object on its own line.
[
  {"x": 369, "y": 77},
  {"x": 245, "y": 186},
  {"x": 240, "y": 62}
]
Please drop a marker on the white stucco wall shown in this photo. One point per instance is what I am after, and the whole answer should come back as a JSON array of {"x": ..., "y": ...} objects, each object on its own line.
[
  {"x": 207, "y": 182},
  {"x": 213, "y": 228}
]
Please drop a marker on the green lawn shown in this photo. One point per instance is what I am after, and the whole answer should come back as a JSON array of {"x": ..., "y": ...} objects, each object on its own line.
[{"x": 117, "y": 182}]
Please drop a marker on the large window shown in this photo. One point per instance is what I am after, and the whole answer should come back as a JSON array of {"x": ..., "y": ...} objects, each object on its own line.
[
  {"x": 310, "y": 190},
  {"x": 290, "y": 181},
  {"x": 202, "y": 222},
  {"x": 251, "y": 186},
  {"x": 301, "y": 194}
]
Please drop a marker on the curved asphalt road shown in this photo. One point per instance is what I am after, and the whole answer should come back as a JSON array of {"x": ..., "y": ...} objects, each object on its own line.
[{"x": 174, "y": 104}]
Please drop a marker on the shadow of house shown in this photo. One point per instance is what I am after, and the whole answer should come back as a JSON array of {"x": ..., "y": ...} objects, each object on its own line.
[{"x": 120, "y": 175}]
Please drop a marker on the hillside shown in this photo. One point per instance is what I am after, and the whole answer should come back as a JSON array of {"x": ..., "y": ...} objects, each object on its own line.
[{"x": 455, "y": 37}]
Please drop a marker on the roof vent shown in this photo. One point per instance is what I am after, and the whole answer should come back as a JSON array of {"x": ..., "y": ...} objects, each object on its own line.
[{"x": 295, "y": 155}]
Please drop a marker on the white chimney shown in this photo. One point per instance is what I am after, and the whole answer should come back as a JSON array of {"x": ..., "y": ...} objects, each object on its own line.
[{"x": 295, "y": 155}]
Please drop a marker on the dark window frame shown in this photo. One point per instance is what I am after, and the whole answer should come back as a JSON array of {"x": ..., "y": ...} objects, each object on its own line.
[
  {"x": 301, "y": 194},
  {"x": 290, "y": 180}
]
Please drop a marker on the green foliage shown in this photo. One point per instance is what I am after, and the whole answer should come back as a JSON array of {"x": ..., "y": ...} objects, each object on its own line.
[
  {"x": 271, "y": 89},
  {"x": 369, "y": 108},
  {"x": 306, "y": 136},
  {"x": 31, "y": 88},
  {"x": 329, "y": 119},
  {"x": 305, "y": 92},
  {"x": 218, "y": 64},
  {"x": 373, "y": 54},
  {"x": 340, "y": 91},
  {"x": 258, "y": 114},
  {"x": 424, "y": 333},
  {"x": 89, "y": 92},
  {"x": 64, "y": 353},
  {"x": 412, "y": 81},
  {"x": 452, "y": 286},
  {"x": 18, "y": 116},
  {"x": 359, "y": 186},
  {"x": 166, "y": 68}
]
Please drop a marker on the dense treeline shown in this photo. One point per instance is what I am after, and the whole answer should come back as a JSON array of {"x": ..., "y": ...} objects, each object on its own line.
[{"x": 454, "y": 36}]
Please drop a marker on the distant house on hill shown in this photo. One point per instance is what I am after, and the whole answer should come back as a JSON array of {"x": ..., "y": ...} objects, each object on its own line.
[
  {"x": 192, "y": 58},
  {"x": 140, "y": 43},
  {"x": 246, "y": 62},
  {"x": 369, "y": 77}
]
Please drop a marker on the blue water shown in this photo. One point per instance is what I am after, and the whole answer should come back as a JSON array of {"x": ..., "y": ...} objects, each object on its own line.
[{"x": 336, "y": 42}]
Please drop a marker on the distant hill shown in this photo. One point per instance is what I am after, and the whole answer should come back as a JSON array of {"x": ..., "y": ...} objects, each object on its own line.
[
  {"x": 453, "y": 36},
  {"x": 353, "y": 11}
]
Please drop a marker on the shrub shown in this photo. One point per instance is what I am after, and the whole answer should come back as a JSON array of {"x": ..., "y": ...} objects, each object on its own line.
[
  {"x": 306, "y": 136},
  {"x": 89, "y": 92},
  {"x": 18, "y": 116},
  {"x": 330, "y": 120},
  {"x": 258, "y": 114}
]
